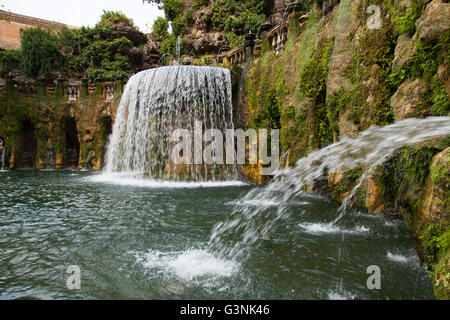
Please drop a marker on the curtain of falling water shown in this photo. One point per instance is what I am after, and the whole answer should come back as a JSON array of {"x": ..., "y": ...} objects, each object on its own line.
[{"x": 154, "y": 104}]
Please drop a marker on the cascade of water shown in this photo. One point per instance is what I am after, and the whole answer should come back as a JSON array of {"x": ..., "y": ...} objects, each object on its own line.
[
  {"x": 154, "y": 104},
  {"x": 88, "y": 160},
  {"x": 373, "y": 147}
]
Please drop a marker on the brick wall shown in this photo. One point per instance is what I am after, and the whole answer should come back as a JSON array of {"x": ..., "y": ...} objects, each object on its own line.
[{"x": 11, "y": 24}]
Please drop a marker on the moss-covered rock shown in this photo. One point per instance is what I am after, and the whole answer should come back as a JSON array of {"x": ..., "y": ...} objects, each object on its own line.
[
  {"x": 407, "y": 102},
  {"x": 43, "y": 113}
]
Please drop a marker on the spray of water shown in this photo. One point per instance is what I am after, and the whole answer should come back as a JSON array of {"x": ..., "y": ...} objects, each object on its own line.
[
  {"x": 249, "y": 223},
  {"x": 154, "y": 104}
]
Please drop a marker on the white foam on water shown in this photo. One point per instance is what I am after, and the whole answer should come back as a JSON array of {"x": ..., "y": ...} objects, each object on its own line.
[
  {"x": 263, "y": 203},
  {"x": 188, "y": 265},
  {"x": 333, "y": 295},
  {"x": 327, "y": 228},
  {"x": 124, "y": 179}
]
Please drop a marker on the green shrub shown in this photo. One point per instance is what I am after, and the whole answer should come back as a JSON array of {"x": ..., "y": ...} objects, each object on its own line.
[
  {"x": 169, "y": 45},
  {"x": 407, "y": 22},
  {"x": 93, "y": 50},
  {"x": 112, "y": 17},
  {"x": 289, "y": 113},
  {"x": 239, "y": 17},
  {"x": 234, "y": 40},
  {"x": 160, "y": 28},
  {"x": 40, "y": 52},
  {"x": 179, "y": 26},
  {"x": 172, "y": 8},
  {"x": 425, "y": 65},
  {"x": 10, "y": 60},
  {"x": 199, "y": 3}
]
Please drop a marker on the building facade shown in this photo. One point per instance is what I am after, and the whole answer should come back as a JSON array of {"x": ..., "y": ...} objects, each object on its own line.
[{"x": 13, "y": 24}]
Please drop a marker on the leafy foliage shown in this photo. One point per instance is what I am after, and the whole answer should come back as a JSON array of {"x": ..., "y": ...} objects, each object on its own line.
[
  {"x": 160, "y": 28},
  {"x": 172, "y": 8},
  {"x": 98, "y": 52},
  {"x": 312, "y": 83},
  {"x": 169, "y": 45},
  {"x": 109, "y": 17},
  {"x": 40, "y": 52},
  {"x": 425, "y": 65},
  {"x": 238, "y": 16},
  {"x": 10, "y": 60}
]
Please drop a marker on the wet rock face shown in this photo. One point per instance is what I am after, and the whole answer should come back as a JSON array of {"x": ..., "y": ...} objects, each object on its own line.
[
  {"x": 436, "y": 202},
  {"x": 208, "y": 43},
  {"x": 434, "y": 213},
  {"x": 444, "y": 77},
  {"x": 151, "y": 52},
  {"x": 276, "y": 8},
  {"x": 124, "y": 30},
  {"x": 434, "y": 21},
  {"x": 200, "y": 20},
  {"x": 406, "y": 102}
]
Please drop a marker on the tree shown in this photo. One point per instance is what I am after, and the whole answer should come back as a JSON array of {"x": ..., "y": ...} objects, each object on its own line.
[
  {"x": 172, "y": 8},
  {"x": 112, "y": 17},
  {"x": 160, "y": 28},
  {"x": 40, "y": 52}
]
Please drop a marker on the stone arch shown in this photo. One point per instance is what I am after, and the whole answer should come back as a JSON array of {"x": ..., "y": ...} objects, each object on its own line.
[
  {"x": 25, "y": 147},
  {"x": 72, "y": 142}
]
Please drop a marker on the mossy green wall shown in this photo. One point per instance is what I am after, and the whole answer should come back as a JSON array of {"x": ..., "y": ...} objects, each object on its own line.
[
  {"x": 336, "y": 77},
  {"x": 47, "y": 111}
]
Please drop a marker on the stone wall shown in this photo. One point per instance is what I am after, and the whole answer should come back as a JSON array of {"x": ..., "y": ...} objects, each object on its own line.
[
  {"x": 336, "y": 77},
  {"x": 57, "y": 124}
]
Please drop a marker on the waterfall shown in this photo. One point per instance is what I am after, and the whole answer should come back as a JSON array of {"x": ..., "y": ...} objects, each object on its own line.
[
  {"x": 249, "y": 222},
  {"x": 158, "y": 101}
]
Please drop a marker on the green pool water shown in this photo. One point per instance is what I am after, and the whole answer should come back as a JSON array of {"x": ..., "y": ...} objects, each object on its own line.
[{"x": 143, "y": 240}]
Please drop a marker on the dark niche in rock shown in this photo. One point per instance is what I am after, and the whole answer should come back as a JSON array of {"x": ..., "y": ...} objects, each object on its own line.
[{"x": 72, "y": 143}]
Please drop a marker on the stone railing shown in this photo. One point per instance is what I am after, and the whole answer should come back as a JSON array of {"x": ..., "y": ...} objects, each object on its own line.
[
  {"x": 277, "y": 38},
  {"x": 71, "y": 89},
  {"x": 235, "y": 56}
]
